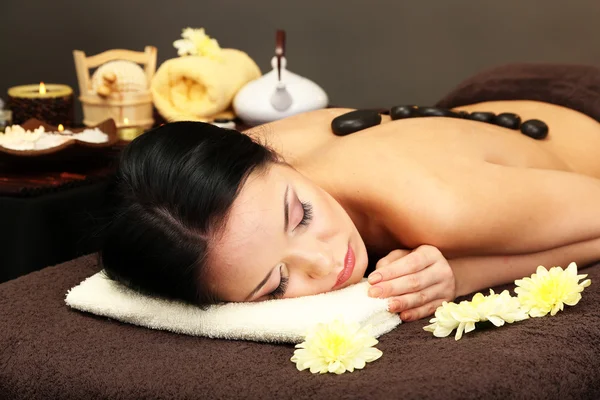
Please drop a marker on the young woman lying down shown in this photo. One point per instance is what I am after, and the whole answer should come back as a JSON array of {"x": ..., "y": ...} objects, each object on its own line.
[{"x": 441, "y": 206}]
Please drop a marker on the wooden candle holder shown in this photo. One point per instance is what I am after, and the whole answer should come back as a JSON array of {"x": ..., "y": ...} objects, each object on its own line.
[
  {"x": 130, "y": 109},
  {"x": 53, "y": 104}
]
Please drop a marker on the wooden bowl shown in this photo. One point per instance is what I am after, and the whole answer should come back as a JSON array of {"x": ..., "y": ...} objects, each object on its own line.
[{"x": 73, "y": 145}]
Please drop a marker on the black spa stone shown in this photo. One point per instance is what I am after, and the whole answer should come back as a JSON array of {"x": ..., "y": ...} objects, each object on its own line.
[
  {"x": 401, "y": 112},
  {"x": 435, "y": 112},
  {"x": 534, "y": 128},
  {"x": 463, "y": 114},
  {"x": 482, "y": 116},
  {"x": 355, "y": 121},
  {"x": 508, "y": 120}
]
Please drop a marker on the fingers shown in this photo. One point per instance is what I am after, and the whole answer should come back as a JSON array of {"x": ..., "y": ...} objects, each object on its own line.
[
  {"x": 403, "y": 262},
  {"x": 391, "y": 257},
  {"x": 421, "y": 312},
  {"x": 405, "y": 284},
  {"x": 411, "y": 301}
]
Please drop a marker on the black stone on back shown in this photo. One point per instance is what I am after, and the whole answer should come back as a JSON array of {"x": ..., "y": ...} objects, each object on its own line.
[
  {"x": 355, "y": 121},
  {"x": 401, "y": 112},
  {"x": 508, "y": 120},
  {"x": 482, "y": 117},
  {"x": 436, "y": 112},
  {"x": 534, "y": 128}
]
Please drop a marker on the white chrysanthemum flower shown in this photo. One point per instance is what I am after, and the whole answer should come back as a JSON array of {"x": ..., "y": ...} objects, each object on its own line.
[
  {"x": 185, "y": 47},
  {"x": 496, "y": 308},
  {"x": 444, "y": 323},
  {"x": 336, "y": 347},
  {"x": 196, "y": 42},
  {"x": 548, "y": 291}
]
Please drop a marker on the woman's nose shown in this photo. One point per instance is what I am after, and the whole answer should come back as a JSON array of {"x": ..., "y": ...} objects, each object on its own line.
[
  {"x": 317, "y": 262},
  {"x": 321, "y": 266}
]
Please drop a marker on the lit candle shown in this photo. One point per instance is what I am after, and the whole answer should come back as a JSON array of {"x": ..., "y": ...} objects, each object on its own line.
[
  {"x": 61, "y": 127},
  {"x": 51, "y": 103},
  {"x": 128, "y": 133}
]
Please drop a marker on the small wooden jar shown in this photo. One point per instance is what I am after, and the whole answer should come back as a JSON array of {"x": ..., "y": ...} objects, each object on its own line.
[
  {"x": 51, "y": 103},
  {"x": 131, "y": 111}
]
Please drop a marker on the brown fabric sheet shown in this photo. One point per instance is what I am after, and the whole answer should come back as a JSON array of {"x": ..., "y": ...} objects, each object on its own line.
[
  {"x": 573, "y": 86},
  {"x": 48, "y": 351}
]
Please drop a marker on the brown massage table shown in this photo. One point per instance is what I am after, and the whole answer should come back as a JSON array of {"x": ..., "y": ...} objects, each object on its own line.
[{"x": 49, "y": 351}]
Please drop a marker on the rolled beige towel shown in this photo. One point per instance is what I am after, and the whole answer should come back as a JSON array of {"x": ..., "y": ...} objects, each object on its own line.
[{"x": 196, "y": 88}]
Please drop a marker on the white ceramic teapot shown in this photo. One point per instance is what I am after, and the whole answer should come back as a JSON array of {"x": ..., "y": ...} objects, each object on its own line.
[{"x": 277, "y": 94}]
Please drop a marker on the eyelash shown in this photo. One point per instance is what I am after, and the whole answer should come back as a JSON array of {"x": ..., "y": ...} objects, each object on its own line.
[
  {"x": 280, "y": 290},
  {"x": 307, "y": 217}
]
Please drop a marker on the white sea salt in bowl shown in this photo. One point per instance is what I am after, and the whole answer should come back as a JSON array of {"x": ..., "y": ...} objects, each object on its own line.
[{"x": 37, "y": 138}]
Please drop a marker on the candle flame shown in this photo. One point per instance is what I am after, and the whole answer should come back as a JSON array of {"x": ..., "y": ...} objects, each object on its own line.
[
  {"x": 42, "y": 88},
  {"x": 61, "y": 127},
  {"x": 126, "y": 121}
]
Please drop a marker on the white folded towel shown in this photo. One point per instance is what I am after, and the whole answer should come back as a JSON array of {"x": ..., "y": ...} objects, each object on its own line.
[{"x": 285, "y": 320}]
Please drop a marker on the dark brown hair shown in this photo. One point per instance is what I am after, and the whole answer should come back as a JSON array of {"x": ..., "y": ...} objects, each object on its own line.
[{"x": 176, "y": 185}]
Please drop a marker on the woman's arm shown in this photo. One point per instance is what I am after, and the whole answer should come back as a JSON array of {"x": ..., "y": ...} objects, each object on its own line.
[
  {"x": 473, "y": 274},
  {"x": 500, "y": 210},
  {"x": 499, "y": 223},
  {"x": 520, "y": 210}
]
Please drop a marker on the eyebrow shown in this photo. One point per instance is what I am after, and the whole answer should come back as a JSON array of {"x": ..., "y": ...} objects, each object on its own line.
[
  {"x": 261, "y": 284},
  {"x": 286, "y": 219}
]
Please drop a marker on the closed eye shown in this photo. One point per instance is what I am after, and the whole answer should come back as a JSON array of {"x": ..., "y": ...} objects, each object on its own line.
[
  {"x": 280, "y": 290},
  {"x": 307, "y": 213}
]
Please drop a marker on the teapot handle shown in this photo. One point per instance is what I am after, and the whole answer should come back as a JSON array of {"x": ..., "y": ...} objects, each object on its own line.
[{"x": 279, "y": 50}]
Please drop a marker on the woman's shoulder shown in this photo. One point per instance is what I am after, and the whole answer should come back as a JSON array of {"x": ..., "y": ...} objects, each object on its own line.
[
  {"x": 298, "y": 136},
  {"x": 387, "y": 190}
]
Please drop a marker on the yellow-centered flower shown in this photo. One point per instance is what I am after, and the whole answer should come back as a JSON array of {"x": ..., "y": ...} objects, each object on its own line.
[
  {"x": 548, "y": 291},
  {"x": 496, "y": 308},
  {"x": 196, "y": 42},
  {"x": 336, "y": 347}
]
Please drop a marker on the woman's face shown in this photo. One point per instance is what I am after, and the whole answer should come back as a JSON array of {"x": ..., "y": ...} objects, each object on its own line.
[{"x": 284, "y": 237}]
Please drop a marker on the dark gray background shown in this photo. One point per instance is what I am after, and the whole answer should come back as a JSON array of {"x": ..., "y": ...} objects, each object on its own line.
[{"x": 363, "y": 53}]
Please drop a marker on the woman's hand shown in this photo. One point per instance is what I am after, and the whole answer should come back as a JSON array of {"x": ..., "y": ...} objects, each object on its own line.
[{"x": 415, "y": 282}]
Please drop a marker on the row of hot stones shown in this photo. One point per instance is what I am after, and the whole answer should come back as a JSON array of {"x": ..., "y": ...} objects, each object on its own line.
[{"x": 358, "y": 120}]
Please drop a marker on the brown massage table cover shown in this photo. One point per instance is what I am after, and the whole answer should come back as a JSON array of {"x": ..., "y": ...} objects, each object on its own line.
[{"x": 49, "y": 351}]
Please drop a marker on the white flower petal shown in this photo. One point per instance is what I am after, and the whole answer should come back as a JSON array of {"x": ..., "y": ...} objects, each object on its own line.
[
  {"x": 470, "y": 326},
  {"x": 442, "y": 331},
  {"x": 541, "y": 271},
  {"x": 572, "y": 269},
  {"x": 459, "y": 331},
  {"x": 497, "y": 321},
  {"x": 359, "y": 364},
  {"x": 586, "y": 283}
]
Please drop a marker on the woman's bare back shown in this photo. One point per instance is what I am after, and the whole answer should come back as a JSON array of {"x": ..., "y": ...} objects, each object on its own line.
[
  {"x": 414, "y": 159},
  {"x": 303, "y": 139}
]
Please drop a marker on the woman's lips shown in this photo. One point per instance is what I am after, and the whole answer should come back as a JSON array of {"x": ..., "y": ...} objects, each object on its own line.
[{"x": 346, "y": 273}]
